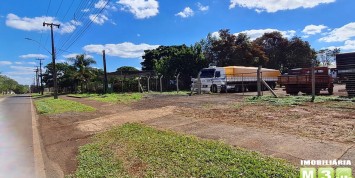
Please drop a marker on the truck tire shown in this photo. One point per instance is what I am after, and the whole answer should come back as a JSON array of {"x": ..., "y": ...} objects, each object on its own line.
[
  {"x": 214, "y": 88},
  {"x": 330, "y": 91}
]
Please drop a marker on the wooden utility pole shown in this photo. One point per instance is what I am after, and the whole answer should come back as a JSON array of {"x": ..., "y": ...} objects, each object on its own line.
[
  {"x": 105, "y": 72},
  {"x": 258, "y": 84},
  {"x": 53, "y": 59},
  {"x": 36, "y": 80},
  {"x": 40, "y": 74},
  {"x": 313, "y": 82}
]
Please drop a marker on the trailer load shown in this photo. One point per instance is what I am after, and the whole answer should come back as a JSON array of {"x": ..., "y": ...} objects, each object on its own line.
[
  {"x": 300, "y": 80},
  {"x": 237, "y": 78},
  {"x": 346, "y": 71}
]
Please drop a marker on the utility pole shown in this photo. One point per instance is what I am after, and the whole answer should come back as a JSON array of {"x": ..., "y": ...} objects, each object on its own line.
[
  {"x": 105, "y": 72},
  {"x": 36, "y": 79},
  {"x": 40, "y": 74},
  {"x": 53, "y": 59}
]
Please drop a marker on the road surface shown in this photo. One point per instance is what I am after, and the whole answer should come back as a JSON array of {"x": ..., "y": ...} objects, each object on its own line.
[{"x": 16, "y": 142}]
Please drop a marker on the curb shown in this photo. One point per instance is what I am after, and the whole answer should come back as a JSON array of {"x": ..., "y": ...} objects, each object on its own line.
[{"x": 37, "y": 151}]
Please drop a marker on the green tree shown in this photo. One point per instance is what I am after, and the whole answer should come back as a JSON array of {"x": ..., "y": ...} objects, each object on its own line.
[
  {"x": 65, "y": 76},
  {"x": 327, "y": 56},
  {"x": 126, "y": 68},
  {"x": 230, "y": 50},
  {"x": 83, "y": 70},
  {"x": 299, "y": 54},
  {"x": 172, "y": 60}
]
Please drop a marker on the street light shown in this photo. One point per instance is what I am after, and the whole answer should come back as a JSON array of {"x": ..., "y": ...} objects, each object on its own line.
[{"x": 53, "y": 62}]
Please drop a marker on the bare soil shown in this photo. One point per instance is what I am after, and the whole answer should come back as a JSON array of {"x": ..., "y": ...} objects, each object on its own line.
[{"x": 62, "y": 134}]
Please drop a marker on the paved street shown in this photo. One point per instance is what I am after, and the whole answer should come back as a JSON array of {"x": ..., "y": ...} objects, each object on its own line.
[{"x": 16, "y": 142}]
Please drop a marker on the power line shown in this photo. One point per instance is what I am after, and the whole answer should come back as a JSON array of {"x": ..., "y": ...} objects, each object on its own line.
[{"x": 85, "y": 27}]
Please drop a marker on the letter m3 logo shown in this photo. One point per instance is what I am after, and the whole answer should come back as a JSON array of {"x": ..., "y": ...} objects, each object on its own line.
[{"x": 308, "y": 173}]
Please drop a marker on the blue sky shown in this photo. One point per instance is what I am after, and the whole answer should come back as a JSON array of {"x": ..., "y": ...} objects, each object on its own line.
[{"x": 125, "y": 28}]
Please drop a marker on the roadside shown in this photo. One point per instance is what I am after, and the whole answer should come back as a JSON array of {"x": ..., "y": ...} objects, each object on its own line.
[{"x": 289, "y": 132}]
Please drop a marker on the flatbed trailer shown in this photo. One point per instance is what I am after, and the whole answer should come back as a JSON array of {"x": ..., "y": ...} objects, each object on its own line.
[{"x": 300, "y": 80}]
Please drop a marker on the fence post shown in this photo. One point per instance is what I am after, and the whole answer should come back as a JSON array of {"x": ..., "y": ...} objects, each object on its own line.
[
  {"x": 161, "y": 86},
  {"x": 177, "y": 82},
  {"x": 258, "y": 84},
  {"x": 139, "y": 84},
  {"x": 199, "y": 83},
  {"x": 148, "y": 83},
  {"x": 243, "y": 83},
  {"x": 313, "y": 83}
]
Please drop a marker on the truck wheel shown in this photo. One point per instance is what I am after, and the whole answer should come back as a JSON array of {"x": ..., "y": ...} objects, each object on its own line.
[
  {"x": 214, "y": 88},
  {"x": 330, "y": 91}
]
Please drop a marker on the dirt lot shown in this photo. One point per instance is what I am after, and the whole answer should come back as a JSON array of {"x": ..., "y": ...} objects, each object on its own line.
[{"x": 62, "y": 134}]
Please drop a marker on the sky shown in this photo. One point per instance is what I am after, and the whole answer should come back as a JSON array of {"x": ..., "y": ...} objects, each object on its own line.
[{"x": 125, "y": 28}]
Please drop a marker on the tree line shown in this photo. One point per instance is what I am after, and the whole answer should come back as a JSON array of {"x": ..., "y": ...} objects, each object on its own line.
[
  {"x": 271, "y": 50},
  {"x": 8, "y": 85}
]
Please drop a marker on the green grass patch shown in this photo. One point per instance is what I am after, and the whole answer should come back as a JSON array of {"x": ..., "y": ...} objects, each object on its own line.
[
  {"x": 134, "y": 150},
  {"x": 37, "y": 95},
  {"x": 112, "y": 98},
  {"x": 56, "y": 106},
  {"x": 293, "y": 100},
  {"x": 184, "y": 92}
]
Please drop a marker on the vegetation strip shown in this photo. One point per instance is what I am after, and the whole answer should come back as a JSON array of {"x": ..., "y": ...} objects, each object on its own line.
[
  {"x": 293, "y": 100},
  {"x": 111, "y": 98},
  {"x": 134, "y": 150},
  {"x": 56, "y": 106}
]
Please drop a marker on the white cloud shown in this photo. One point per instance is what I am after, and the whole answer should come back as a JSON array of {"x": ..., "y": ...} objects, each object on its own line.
[
  {"x": 341, "y": 34},
  {"x": 277, "y": 5},
  {"x": 27, "y": 56},
  {"x": 85, "y": 10},
  {"x": 3, "y": 63},
  {"x": 105, "y": 4},
  {"x": 19, "y": 63},
  {"x": 141, "y": 8},
  {"x": 313, "y": 29},
  {"x": 31, "y": 63},
  {"x": 36, "y": 23},
  {"x": 123, "y": 50},
  {"x": 22, "y": 70},
  {"x": 187, "y": 12},
  {"x": 202, "y": 7},
  {"x": 349, "y": 45},
  {"x": 99, "y": 19},
  {"x": 215, "y": 35},
  {"x": 73, "y": 55},
  {"x": 253, "y": 34}
]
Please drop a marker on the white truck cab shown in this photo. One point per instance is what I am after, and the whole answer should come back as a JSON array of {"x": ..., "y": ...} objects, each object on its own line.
[{"x": 212, "y": 80}]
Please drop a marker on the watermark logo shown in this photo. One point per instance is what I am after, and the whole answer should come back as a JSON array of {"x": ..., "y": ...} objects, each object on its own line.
[{"x": 325, "y": 170}]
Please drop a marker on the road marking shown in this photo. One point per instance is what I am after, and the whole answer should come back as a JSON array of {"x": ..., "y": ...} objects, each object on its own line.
[{"x": 37, "y": 152}]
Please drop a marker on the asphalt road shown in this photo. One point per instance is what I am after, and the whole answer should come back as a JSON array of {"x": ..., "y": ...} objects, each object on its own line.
[{"x": 16, "y": 142}]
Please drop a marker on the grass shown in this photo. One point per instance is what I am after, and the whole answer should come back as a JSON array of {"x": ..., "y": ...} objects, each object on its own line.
[
  {"x": 292, "y": 100},
  {"x": 56, "y": 106},
  {"x": 37, "y": 95},
  {"x": 112, "y": 98},
  {"x": 183, "y": 92},
  {"x": 134, "y": 150}
]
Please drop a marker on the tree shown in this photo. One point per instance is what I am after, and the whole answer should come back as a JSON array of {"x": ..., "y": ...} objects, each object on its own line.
[
  {"x": 299, "y": 54},
  {"x": 82, "y": 66},
  {"x": 126, "y": 68},
  {"x": 172, "y": 60},
  {"x": 229, "y": 50},
  {"x": 7, "y": 84},
  {"x": 65, "y": 76},
  {"x": 327, "y": 56}
]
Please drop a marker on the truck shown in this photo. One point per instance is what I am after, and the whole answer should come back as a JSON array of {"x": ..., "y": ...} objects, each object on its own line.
[
  {"x": 300, "y": 80},
  {"x": 345, "y": 63},
  {"x": 236, "y": 78}
]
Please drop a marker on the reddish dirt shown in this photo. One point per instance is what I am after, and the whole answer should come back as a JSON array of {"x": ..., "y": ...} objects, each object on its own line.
[{"x": 62, "y": 134}]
